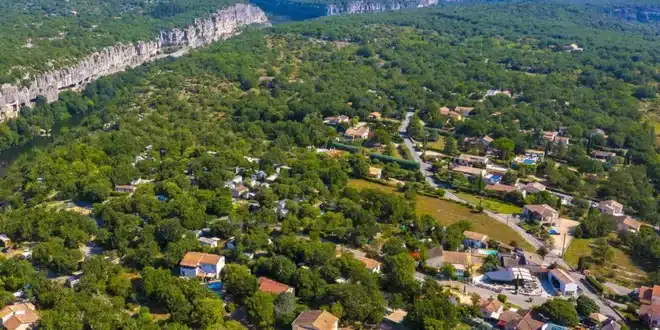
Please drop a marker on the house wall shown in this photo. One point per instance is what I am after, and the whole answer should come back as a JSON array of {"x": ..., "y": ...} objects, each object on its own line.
[{"x": 188, "y": 271}]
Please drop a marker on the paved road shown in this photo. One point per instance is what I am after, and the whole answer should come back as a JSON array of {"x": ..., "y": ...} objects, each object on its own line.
[
  {"x": 426, "y": 167},
  {"x": 604, "y": 308}
]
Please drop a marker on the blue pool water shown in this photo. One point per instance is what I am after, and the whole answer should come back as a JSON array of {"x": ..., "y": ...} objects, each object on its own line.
[
  {"x": 215, "y": 286},
  {"x": 489, "y": 252},
  {"x": 528, "y": 161}
]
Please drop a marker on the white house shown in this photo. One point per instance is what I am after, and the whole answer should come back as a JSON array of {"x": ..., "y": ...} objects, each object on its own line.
[
  {"x": 210, "y": 242},
  {"x": 491, "y": 308},
  {"x": 204, "y": 265},
  {"x": 371, "y": 264},
  {"x": 610, "y": 207},
  {"x": 475, "y": 240},
  {"x": 567, "y": 285}
]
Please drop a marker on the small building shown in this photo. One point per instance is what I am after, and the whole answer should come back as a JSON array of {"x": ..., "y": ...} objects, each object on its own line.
[
  {"x": 211, "y": 242},
  {"x": 602, "y": 155},
  {"x": 649, "y": 295},
  {"x": 357, "y": 133},
  {"x": 337, "y": 120},
  {"x": 22, "y": 316},
  {"x": 550, "y": 136},
  {"x": 5, "y": 240},
  {"x": 627, "y": 223},
  {"x": 125, "y": 188},
  {"x": 567, "y": 286},
  {"x": 511, "y": 274},
  {"x": 272, "y": 286},
  {"x": 509, "y": 319},
  {"x": 371, "y": 264},
  {"x": 611, "y": 325},
  {"x": 472, "y": 160},
  {"x": 465, "y": 111},
  {"x": 529, "y": 321},
  {"x": 501, "y": 188},
  {"x": 396, "y": 316},
  {"x": 563, "y": 140},
  {"x": 610, "y": 207},
  {"x": 650, "y": 314},
  {"x": 533, "y": 188},
  {"x": 315, "y": 320},
  {"x": 375, "y": 172},
  {"x": 469, "y": 171},
  {"x": 543, "y": 213},
  {"x": 486, "y": 140},
  {"x": 445, "y": 111},
  {"x": 462, "y": 261},
  {"x": 375, "y": 115},
  {"x": 491, "y": 308},
  {"x": 203, "y": 265},
  {"x": 239, "y": 191},
  {"x": 455, "y": 116},
  {"x": 475, "y": 240}
]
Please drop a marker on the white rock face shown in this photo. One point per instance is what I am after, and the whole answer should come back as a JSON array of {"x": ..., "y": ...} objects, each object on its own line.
[
  {"x": 220, "y": 25},
  {"x": 367, "y": 6}
]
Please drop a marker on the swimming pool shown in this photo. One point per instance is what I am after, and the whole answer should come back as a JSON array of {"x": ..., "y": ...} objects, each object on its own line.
[
  {"x": 488, "y": 252},
  {"x": 215, "y": 286},
  {"x": 528, "y": 161}
]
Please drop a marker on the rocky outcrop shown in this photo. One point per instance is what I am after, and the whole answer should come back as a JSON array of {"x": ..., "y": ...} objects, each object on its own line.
[
  {"x": 301, "y": 10},
  {"x": 368, "y": 6},
  {"x": 220, "y": 25}
]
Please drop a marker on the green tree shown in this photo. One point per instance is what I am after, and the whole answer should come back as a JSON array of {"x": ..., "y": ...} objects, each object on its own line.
[
  {"x": 451, "y": 146},
  {"x": 560, "y": 311},
  {"x": 261, "y": 309},
  {"x": 238, "y": 281},
  {"x": 585, "y": 306}
]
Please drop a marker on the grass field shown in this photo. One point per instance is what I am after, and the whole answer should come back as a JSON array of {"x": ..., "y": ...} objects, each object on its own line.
[
  {"x": 622, "y": 270},
  {"x": 491, "y": 204},
  {"x": 437, "y": 145},
  {"x": 448, "y": 212}
]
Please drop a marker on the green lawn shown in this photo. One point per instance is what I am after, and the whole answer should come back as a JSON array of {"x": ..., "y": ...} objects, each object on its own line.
[
  {"x": 491, "y": 204},
  {"x": 437, "y": 145},
  {"x": 448, "y": 212},
  {"x": 622, "y": 270}
]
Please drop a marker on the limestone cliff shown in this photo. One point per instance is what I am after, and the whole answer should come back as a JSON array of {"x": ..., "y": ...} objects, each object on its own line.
[
  {"x": 368, "y": 6},
  {"x": 220, "y": 25}
]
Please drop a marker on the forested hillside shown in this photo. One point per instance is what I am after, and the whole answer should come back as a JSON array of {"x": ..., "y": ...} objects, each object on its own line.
[
  {"x": 39, "y": 35},
  {"x": 230, "y": 142}
]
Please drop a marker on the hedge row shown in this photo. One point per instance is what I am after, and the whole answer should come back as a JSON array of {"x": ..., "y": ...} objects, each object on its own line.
[{"x": 595, "y": 284}]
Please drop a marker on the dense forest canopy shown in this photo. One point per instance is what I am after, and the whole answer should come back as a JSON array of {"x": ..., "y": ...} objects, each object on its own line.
[
  {"x": 254, "y": 106},
  {"x": 38, "y": 35}
]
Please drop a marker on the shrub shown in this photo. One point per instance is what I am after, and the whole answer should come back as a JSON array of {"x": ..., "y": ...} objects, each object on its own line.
[
  {"x": 595, "y": 284},
  {"x": 502, "y": 298}
]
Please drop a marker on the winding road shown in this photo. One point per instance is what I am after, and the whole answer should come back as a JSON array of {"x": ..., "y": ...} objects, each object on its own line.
[{"x": 506, "y": 219}]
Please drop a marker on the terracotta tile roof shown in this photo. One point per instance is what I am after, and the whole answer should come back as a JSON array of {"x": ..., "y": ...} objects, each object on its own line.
[
  {"x": 375, "y": 171},
  {"x": 194, "y": 259},
  {"x": 534, "y": 187},
  {"x": 656, "y": 291},
  {"x": 649, "y": 311},
  {"x": 315, "y": 320},
  {"x": 444, "y": 111},
  {"x": 491, "y": 305},
  {"x": 396, "y": 316},
  {"x": 530, "y": 322},
  {"x": 272, "y": 286},
  {"x": 611, "y": 203},
  {"x": 562, "y": 276},
  {"x": 464, "y": 110},
  {"x": 645, "y": 293},
  {"x": 629, "y": 222},
  {"x": 475, "y": 236},
  {"x": 544, "y": 210},
  {"x": 369, "y": 263},
  {"x": 469, "y": 170},
  {"x": 510, "y": 317},
  {"x": 357, "y": 131},
  {"x": 18, "y": 315},
  {"x": 500, "y": 188}
]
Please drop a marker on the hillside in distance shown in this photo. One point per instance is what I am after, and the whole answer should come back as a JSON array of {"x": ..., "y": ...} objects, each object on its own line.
[{"x": 41, "y": 35}]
